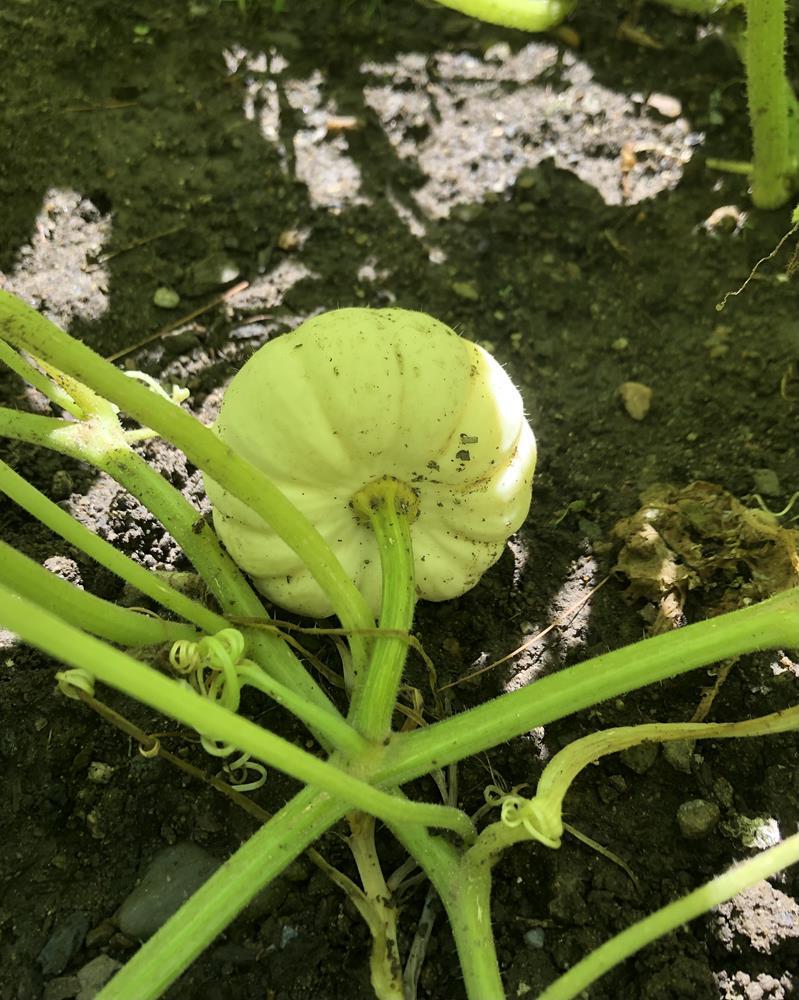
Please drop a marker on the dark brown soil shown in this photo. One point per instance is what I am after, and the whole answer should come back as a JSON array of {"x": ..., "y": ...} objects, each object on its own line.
[{"x": 534, "y": 196}]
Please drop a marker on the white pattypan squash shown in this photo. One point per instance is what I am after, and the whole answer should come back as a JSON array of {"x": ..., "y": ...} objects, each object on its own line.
[{"x": 356, "y": 395}]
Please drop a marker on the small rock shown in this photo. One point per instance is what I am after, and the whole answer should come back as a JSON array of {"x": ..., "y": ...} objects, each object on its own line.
[
  {"x": 62, "y": 988},
  {"x": 725, "y": 219},
  {"x": 640, "y": 758},
  {"x": 679, "y": 754},
  {"x": 211, "y": 272},
  {"x": 697, "y": 818},
  {"x": 466, "y": 290},
  {"x": 291, "y": 239},
  {"x": 288, "y": 934},
  {"x": 166, "y": 298},
  {"x": 66, "y": 939},
  {"x": 61, "y": 486},
  {"x": 636, "y": 398},
  {"x": 95, "y": 974},
  {"x": 535, "y": 937},
  {"x": 100, "y": 935},
  {"x": 66, "y": 568},
  {"x": 665, "y": 105},
  {"x": 723, "y": 793},
  {"x": 170, "y": 878},
  {"x": 766, "y": 482},
  {"x": 100, "y": 773}
]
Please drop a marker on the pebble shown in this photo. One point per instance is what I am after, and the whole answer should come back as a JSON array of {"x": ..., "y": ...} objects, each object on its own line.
[
  {"x": 166, "y": 298},
  {"x": 95, "y": 974},
  {"x": 212, "y": 271},
  {"x": 640, "y": 758},
  {"x": 65, "y": 940},
  {"x": 535, "y": 937},
  {"x": 665, "y": 105},
  {"x": 62, "y": 988},
  {"x": 697, "y": 818},
  {"x": 61, "y": 485},
  {"x": 466, "y": 290},
  {"x": 170, "y": 878},
  {"x": 636, "y": 398},
  {"x": 679, "y": 754},
  {"x": 100, "y": 773},
  {"x": 766, "y": 482}
]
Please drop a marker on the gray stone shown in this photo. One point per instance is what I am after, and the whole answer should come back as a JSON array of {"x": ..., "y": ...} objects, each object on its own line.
[
  {"x": 211, "y": 272},
  {"x": 679, "y": 754},
  {"x": 170, "y": 878},
  {"x": 62, "y": 988},
  {"x": 766, "y": 482},
  {"x": 697, "y": 818},
  {"x": 95, "y": 974},
  {"x": 641, "y": 757},
  {"x": 535, "y": 937},
  {"x": 65, "y": 940}
]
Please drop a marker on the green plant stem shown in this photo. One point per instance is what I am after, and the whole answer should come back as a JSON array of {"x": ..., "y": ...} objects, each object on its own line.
[
  {"x": 380, "y": 912},
  {"x": 34, "y": 377},
  {"x": 29, "y": 330},
  {"x": 209, "y": 910},
  {"x": 526, "y": 15},
  {"x": 72, "y": 531},
  {"x": 772, "y": 624},
  {"x": 100, "y": 444},
  {"x": 389, "y": 506},
  {"x": 336, "y": 731},
  {"x": 670, "y": 917},
  {"x": 543, "y": 812},
  {"x": 51, "y": 634},
  {"x": 773, "y": 160},
  {"x": 704, "y": 8},
  {"x": 465, "y": 891},
  {"x": 100, "y": 617}
]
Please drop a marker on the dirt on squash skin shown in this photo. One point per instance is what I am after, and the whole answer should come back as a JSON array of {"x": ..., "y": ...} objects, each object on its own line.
[{"x": 549, "y": 201}]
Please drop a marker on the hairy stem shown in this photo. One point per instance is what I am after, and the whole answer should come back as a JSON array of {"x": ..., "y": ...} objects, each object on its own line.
[
  {"x": 25, "y": 328},
  {"x": 772, "y": 624},
  {"x": 390, "y": 506},
  {"x": 99, "y": 443},
  {"x": 100, "y": 617},
  {"x": 57, "y": 520},
  {"x": 51, "y": 634},
  {"x": 768, "y": 90},
  {"x": 670, "y": 917},
  {"x": 207, "y": 913},
  {"x": 527, "y": 15}
]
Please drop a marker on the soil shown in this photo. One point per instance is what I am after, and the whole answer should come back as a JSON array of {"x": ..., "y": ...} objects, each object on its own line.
[{"x": 547, "y": 196}]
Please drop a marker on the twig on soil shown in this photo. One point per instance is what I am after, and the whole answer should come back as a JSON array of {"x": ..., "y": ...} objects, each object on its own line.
[
  {"x": 562, "y": 620},
  {"x": 134, "y": 246},
  {"x": 165, "y": 330}
]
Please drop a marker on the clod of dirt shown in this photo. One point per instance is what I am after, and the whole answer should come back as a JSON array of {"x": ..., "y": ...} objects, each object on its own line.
[
  {"x": 697, "y": 818},
  {"x": 636, "y": 399},
  {"x": 762, "y": 915},
  {"x": 698, "y": 539}
]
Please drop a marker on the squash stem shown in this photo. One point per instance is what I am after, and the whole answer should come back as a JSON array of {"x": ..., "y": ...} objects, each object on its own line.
[
  {"x": 390, "y": 506},
  {"x": 772, "y": 104}
]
